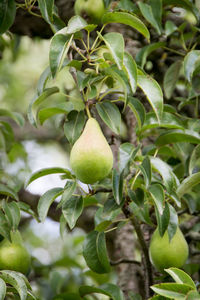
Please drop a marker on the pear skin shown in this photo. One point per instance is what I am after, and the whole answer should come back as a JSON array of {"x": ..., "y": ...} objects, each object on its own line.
[
  {"x": 91, "y": 157},
  {"x": 164, "y": 253}
]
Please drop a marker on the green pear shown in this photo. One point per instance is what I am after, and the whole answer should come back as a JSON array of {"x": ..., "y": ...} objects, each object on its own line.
[
  {"x": 164, "y": 253},
  {"x": 94, "y": 9},
  {"x": 91, "y": 157}
]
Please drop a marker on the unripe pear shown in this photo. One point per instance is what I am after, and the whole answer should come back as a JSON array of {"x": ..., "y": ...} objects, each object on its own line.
[
  {"x": 164, "y": 253},
  {"x": 94, "y": 9},
  {"x": 14, "y": 256},
  {"x": 91, "y": 157}
]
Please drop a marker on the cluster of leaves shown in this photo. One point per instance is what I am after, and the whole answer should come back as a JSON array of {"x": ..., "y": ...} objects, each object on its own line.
[{"x": 152, "y": 183}]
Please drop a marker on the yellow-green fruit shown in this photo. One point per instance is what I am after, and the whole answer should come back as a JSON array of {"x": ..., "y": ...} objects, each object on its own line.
[
  {"x": 165, "y": 254},
  {"x": 14, "y": 257},
  {"x": 94, "y": 9},
  {"x": 91, "y": 157}
]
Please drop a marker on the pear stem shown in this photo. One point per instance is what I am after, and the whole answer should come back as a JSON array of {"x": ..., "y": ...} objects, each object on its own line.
[{"x": 88, "y": 111}]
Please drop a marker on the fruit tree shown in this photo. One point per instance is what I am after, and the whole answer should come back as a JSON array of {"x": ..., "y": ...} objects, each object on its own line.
[{"x": 118, "y": 94}]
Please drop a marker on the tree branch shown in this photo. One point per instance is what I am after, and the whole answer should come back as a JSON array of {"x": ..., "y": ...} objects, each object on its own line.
[{"x": 125, "y": 261}]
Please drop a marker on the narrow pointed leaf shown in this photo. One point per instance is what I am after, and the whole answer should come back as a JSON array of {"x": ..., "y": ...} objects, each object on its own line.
[
  {"x": 127, "y": 19},
  {"x": 37, "y": 101},
  {"x": 14, "y": 279},
  {"x": 74, "y": 125},
  {"x": 153, "y": 93},
  {"x": 190, "y": 62},
  {"x": 127, "y": 153},
  {"x": 108, "y": 289},
  {"x": 15, "y": 116},
  {"x": 60, "y": 108},
  {"x": 171, "y": 77},
  {"x": 157, "y": 193},
  {"x": 171, "y": 290},
  {"x": 110, "y": 114},
  {"x": 68, "y": 191},
  {"x": 2, "y": 289},
  {"x": 142, "y": 55},
  {"x": 138, "y": 109},
  {"x": 46, "y": 200},
  {"x": 145, "y": 167},
  {"x": 12, "y": 212},
  {"x": 177, "y": 136},
  {"x": 72, "y": 209},
  {"x": 131, "y": 69},
  {"x": 173, "y": 222},
  {"x": 48, "y": 171},
  {"x": 46, "y": 9},
  {"x": 194, "y": 164},
  {"x": 117, "y": 183},
  {"x": 95, "y": 252},
  {"x": 76, "y": 24},
  {"x": 7, "y": 14},
  {"x": 115, "y": 43},
  {"x": 180, "y": 276},
  {"x": 147, "y": 13},
  {"x": 187, "y": 184},
  {"x": 5, "y": 190},
  {"x": 58, "y": 50}
]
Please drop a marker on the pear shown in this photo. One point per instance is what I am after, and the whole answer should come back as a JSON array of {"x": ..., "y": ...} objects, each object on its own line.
[
  {"x": 91, "y": 157},
  {"x": 164, "y": 253}
]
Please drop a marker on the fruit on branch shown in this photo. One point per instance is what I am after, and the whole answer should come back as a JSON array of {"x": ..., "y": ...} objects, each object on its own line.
[
  {"x": 14, "y": 256},
  {"x": 164, "y": 253},
  {"x": 91, "y": 157},
  {"x": 93, "y": 9}
]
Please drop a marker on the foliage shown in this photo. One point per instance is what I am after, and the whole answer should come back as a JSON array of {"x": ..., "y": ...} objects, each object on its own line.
[{"x": 156, "y": 177}]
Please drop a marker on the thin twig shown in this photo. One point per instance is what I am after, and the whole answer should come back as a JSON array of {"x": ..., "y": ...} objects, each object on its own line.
[{"x": 125, "y": 261}]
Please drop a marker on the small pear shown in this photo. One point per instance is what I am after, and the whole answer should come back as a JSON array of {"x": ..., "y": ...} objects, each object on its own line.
[
  {"x": 91, "y": 157},
  {"x": 164, "y": 253}
]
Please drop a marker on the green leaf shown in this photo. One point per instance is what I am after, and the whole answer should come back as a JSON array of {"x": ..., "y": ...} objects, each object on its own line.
[
  {"x": 171, "y": 290},
  {"x": 26, "y": 208},
  {"x": 157, "y": 9},
  {"x": 171, "y": 77},
  {"x": 185, "y": 4},
  {"x": 110, "y": 114},
  {"x": 108, "y": 289},
  {"x": 127, "y": 153},
  {"x": 68, "y": 191},
  {"x": 41, "y": 84},
  {"x": 180, "y": 276},
  {"x": 117, "y": 183},
  {"x": 15, "y": 116},
  {"x": 67, "y": 296},
  {"x": 187, "y": 184},
  {"x": 131, "y": 70},
  {"x": 194, "y": 164},
  {"x": 157, "y": 193},
  {"x": 7, "y": 14},
  {"x": 147, "y": 13},
  {"x": 170, "y": 27},
  {"x": 153, "y": 93},
  {"x": 192, "y": 295},
  {"x": 37, "y": 101},
  {"x": 142, "y": 55},
  {"x": 14, "y": 279},
  {"x": 177, "y": 136},
  {"x": 58, "y": 50},
  {"x": 5, "y": 190},
  {"x": 76, "y": 24},
  {"x": 190, "y": 63},
  {"x": 168, "y": 120},
  {"x": 74, "y": 125},
  {"x": 46, "y": 9},
  {"x": 4, "y": 226},
  {"x": 48, "y": 171},
  {"x": 127, "y": 19},
  {"x": 145, "y": 167},
  {"x": 72, "y": 209},
  {"x": 115, "y": 43},
  {"x": 12, "y": 212},
  {"x": 2, "y": 289},
  {"x": 163, "y": 220},
  {"x": 165, "y": 171},
  {"x": 138, "y": 109},
  {"x": 60, "y": 108},
  {"x": 46, "y": 200},
  {"x": 95, "y": 252},
  {"x": 173, "y": 222}
]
